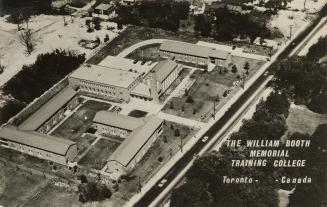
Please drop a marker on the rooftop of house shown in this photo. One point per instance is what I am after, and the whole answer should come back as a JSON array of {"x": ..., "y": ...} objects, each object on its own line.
[
  {"x": 105, "y": 75},
  {"x": 192, "y": 49},
  {"x": 37, "y": 140},
  {"x": 128, "y": 149},
  {"x": 40, "y": 116},
  {"x": 118, "y": 120}
]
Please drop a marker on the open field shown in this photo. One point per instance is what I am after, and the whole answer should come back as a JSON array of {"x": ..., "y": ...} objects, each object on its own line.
[
  {"x": 303, "y": 120},
  {"x": 52, "y": 196},
  {"x": 79, "y": 122},
  {"x": 99, "y": 153},
  {"x": 17, "y": 187},
  {"x": 198, "y": 102}
]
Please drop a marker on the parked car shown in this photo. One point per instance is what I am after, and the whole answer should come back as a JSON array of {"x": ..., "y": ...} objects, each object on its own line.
[
  {"x": 143, "y": 62},
  {"x": 205, "y": 138},
  {"x": 162, "y": 183},
  {"x": 135, "y": 61}
]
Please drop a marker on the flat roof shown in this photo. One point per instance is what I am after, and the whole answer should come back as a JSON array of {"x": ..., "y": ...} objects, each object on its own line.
[
  {"x": 142, "y": 89},
  {"x": 192, "y": 49},
  {"x": 105, "y": 75},
  {"x": 118, "y": 120},
  {"x": 41, "y": 141},
  {"x": 40, "y": 116},
  {"x": 164, "y": 68},
  {"x": 126, "y": 64},
  {"x": 134, "y": 142}
]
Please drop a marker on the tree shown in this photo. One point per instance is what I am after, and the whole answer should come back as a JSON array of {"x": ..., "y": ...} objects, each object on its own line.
[
  {"x": 47, "y": 70},
  {"x": 97, "y": 23},
  {"x": 10, "y": 109},
  {"x": 246, "y": 66},
  {"x": 191, "y": 194},
  {"x": 202, "y": 26},
  {"x": 278, "y": 104},
  {"x": 106, "y": 38},
  {"x": 92, "y": 191},
  {"x": 318, "y": 103},
  {"x": 318, "y": 50},
  {"x": 27, "y": 39},
  {"x": 234, "y": 69}
]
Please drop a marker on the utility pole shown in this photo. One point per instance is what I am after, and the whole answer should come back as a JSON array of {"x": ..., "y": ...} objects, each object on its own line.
[
  {"x": 181, "y": 144},
  {"x": 217, "y": 99}
]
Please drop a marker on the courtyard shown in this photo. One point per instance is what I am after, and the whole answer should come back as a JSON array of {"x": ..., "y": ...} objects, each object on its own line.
[{"x": 79, "y": 122}]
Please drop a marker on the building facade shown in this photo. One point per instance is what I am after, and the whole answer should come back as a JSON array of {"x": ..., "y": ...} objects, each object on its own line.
[
  {"x": 42, "y": 146},
  {"x": 104, "y": 82},
  {"x": 192, "y": 53}
]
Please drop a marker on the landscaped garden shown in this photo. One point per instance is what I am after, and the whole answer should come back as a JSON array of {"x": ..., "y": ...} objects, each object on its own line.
[
  {"x": 97, "y": 156},
  {"x": 211, "y": 89},
  {"x": 80, "y": 122}
]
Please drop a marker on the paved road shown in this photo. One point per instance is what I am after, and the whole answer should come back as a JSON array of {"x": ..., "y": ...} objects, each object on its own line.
[{"x": 147, "y": 199}]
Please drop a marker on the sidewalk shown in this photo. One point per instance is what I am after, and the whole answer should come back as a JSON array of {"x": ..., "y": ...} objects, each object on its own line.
[{"x": 181, "y": 120}]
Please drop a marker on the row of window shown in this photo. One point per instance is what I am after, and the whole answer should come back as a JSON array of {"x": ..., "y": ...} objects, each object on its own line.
[{"x": 30, "y": 150}]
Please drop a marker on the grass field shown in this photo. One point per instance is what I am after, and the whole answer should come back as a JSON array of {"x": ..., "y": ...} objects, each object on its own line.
[
  {"x": 150, "y": 53},
  {"x": 52, "y": 196},
  {"x": 99, "y": 153},
  {"x": 16, "y": 187},
  {"x": 303, "y": 120}
]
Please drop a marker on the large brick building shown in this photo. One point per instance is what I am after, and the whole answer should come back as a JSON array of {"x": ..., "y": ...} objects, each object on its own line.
[{"x": 192, "y": 53}]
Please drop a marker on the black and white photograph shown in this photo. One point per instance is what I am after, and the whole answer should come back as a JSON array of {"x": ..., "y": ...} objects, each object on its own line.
[{"x": 163, "y": 103}]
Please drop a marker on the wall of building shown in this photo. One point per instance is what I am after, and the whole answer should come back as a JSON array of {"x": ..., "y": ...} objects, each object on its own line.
[
  {"x": 59, "y": 116},
  {"x": 111, "y": 92},
  {"x": 185, "y": 58},
  {"x": 123, "y": 133},
  {"x": 42, "y": 154}
]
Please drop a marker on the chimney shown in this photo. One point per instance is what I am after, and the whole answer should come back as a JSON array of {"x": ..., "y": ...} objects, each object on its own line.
[{"x": 154, "y": 86}]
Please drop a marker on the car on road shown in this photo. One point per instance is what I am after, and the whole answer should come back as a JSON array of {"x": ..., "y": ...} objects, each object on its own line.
[
  {"x": 162, "y": 183},
  {"x": 205, "y": 138}
]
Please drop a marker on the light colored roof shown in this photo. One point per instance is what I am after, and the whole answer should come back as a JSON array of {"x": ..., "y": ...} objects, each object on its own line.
[
  {"x": 185, "y": 48},
  {"x": 192, "y": 49},
  {"x": 118, "y": 120},
  {"x": 125, "y": 64},
  {"x": 142, "y": 89},
  {"x": 134, "y": 142},
  {"x": 104, "y": 6},
  {"x": 34, "y": 121},
  {"x": 41, "y": 141},
  {"x": 218, "y": 54},
  {"x": 164, "y": 68},
  {"x": 105, "y": 75}
]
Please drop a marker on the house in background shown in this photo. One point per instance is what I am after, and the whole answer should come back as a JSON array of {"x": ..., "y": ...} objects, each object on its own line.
[{"x": 104, "y": 9}]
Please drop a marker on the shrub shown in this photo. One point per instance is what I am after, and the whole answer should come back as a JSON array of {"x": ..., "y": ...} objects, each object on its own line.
[
  {"x": 93, "y": 191},
  {"x": 234, "y": 69},
  {"x": 190, "y": 99},
  {"x": 238, "y": 77},
  {"x": 160, "y": 159},
  {"x": 177, "y": 133}
]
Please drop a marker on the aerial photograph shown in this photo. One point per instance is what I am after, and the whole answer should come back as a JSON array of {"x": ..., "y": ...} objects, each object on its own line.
[{"x": 163, "y": 103}]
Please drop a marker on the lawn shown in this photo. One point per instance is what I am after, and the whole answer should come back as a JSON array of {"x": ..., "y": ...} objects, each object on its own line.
[
  {"x": 198, "y": 102},
  {"x": 99, "y": 153},
  {"x": 301, "y": 119},
  {"x": 16, "y": 187},
  {"x": 79, "y": 122},
  {"x": 52, "y": 196},
  {"x": 149, "y": 53}
]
